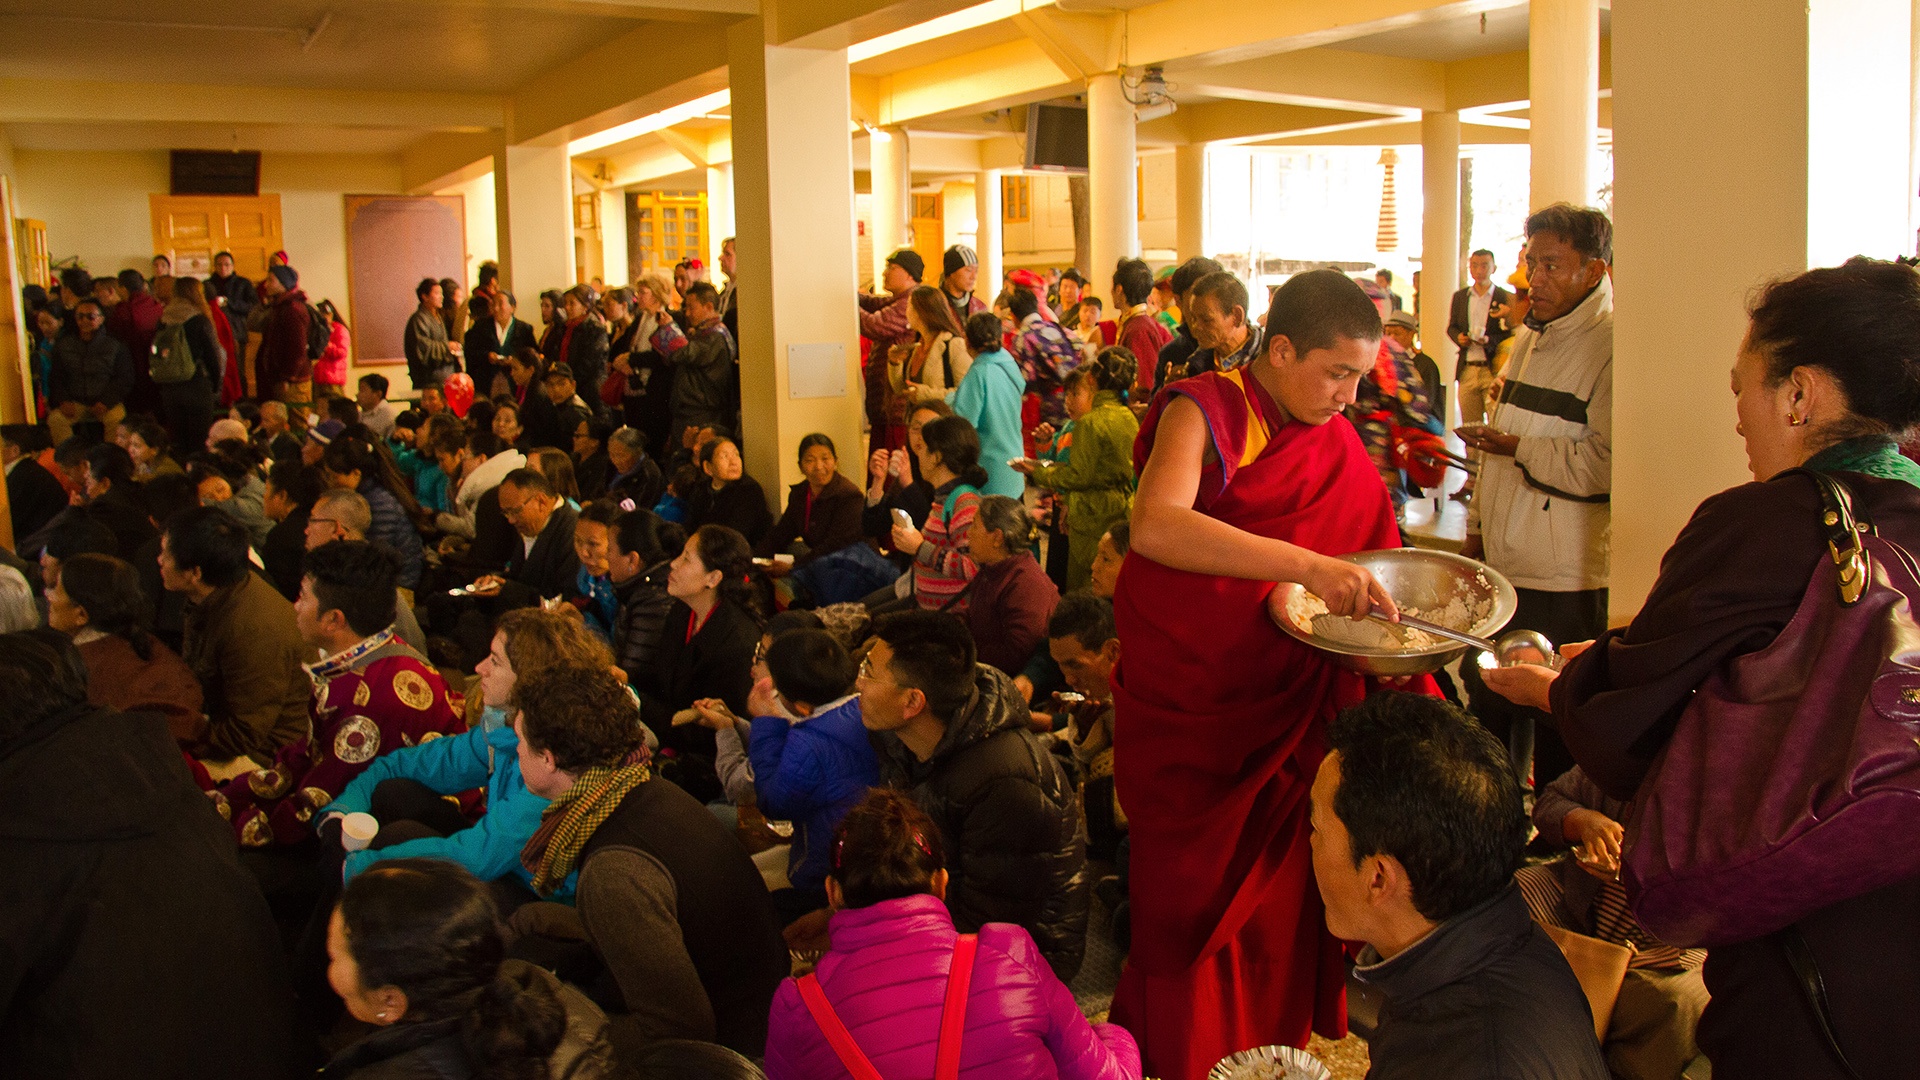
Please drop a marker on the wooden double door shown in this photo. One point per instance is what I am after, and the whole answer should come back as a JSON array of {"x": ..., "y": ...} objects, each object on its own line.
[{"x": 192, "y": 229}]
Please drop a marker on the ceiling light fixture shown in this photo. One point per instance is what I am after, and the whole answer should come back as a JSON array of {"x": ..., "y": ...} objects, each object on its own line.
[{"x": 649, "y": 123}]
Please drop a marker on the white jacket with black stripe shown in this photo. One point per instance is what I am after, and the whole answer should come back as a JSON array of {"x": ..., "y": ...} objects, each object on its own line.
[{"x": 1543, "y": 513}]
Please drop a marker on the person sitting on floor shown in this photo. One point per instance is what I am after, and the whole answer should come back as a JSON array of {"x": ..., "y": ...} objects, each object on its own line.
[
  {"x": 1010, "y": 598},
  {"x": 821, "y": 520},
  {"x": 240, "y": 639},
  {"x": 1654, "y": 1018},
  {"x": 97, "y": 601},
  {"x": 134, "y": 943},
  {"x": 812, "y": 761},
  {"x": 340, "y": 514},
  {"x": 1417, "y": 830},
  {"x": 671, "y": 903},
  {"x": 404, "y": 790},
  {"x": 729, "y": 497},
  {"x": 640, "y": 552},
  {"x": 953, "y": 733},
  {"x": 370, "y": 693},
  {"x": 706, "y": 651},
  {"x": 416, "y": 951},
  {"x": 895, "y": 960}
]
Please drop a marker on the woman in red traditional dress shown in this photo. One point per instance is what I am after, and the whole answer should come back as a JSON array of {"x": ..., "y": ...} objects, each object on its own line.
[{"x": 1247, "y": 478}]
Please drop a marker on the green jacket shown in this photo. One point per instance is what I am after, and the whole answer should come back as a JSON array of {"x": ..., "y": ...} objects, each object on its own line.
[{"x": 1097, "y": 477}]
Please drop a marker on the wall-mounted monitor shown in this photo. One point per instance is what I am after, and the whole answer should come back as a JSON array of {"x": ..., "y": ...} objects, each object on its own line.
[{"x": 1057, "y": 138}]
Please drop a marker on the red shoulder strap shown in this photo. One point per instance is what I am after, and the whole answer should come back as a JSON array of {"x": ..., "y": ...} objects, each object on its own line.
[
  {"x": 836, "y": 1032},
  {"x": 953, "y": 1015}
]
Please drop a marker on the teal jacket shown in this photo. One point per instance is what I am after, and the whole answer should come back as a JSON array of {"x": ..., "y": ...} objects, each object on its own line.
[
  {"x": 989, "y": 397},
  {"x": 487, "y": 754}
]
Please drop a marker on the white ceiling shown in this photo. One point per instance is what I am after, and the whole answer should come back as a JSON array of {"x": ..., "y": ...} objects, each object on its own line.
[{"x": 1500, "y": 31}]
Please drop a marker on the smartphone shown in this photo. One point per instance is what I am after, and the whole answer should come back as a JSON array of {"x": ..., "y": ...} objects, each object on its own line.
[{"x": 902, "y": 519}]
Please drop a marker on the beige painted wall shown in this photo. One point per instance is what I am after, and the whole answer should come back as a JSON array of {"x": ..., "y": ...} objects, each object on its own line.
[
  {"x": 483, "y": 227},
  {"x": 1047, "y": 237}
]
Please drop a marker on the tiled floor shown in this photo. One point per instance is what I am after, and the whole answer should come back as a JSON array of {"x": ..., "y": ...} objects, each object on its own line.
[{"x": 1100, "y": 970}]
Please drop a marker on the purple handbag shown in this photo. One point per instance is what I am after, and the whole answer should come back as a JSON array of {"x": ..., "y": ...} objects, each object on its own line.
[{"x": 1792, "y": 780}]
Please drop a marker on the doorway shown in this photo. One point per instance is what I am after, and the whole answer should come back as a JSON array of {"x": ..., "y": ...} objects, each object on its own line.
[{"x": 192, "y": 229}]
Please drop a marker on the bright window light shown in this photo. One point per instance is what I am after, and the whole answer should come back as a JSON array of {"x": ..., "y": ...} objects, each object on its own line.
[
  {"x": 964, "y": 19},
  {"x": 665, "y": 118}
]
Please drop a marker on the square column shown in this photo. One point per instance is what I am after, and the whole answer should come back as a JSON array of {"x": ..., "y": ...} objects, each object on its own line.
[
  {"x": 1112, "y": 158},
  {"x": 1190, "y": 200},
  {"x": 794, "y": 224},
  {"x": 1791, "y": 152},
  {"x": 719, "y": 214},
  {"x": 533, "y": 200},
  {"x": 987, "y": 242},
  {"x": 1439, "y": 237},
  {"x": 613, "y": 236},
  {"x": 1563, "y": 74}
]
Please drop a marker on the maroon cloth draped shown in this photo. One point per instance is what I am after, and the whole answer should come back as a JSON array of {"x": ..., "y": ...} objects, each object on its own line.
[{"x": 1220, "y": 723}]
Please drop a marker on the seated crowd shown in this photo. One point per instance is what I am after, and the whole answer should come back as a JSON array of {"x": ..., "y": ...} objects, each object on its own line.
[{"x": 461, "y": 736}]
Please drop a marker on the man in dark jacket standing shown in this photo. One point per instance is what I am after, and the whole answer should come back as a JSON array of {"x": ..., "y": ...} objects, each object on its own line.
[
  {"x": 91, "y": 377},
  {"x": 1172, "y": 363},
  {"x": 285, "y": 371},
  {"x": 953, "y": 733},
  {"x": 232, "y": 294},
  {"x": 131, "y": 941},
  {"x": 705, "y": 381},
  {"x": 1417, "y": 831},
  {"x": 430, "y": 357}
]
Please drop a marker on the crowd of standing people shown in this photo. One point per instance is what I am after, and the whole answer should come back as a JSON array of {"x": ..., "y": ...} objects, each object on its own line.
[{"x": 513, "y": 729}]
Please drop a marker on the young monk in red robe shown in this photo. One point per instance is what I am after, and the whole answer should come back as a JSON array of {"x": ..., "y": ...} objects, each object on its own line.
[{"x": 1247, "y": 477}]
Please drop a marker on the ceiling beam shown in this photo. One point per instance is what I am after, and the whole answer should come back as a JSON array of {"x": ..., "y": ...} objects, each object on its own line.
[
  {"x": 40, "y": 101},
  {"x": 986, "y": 79},
  {"x": 624, "y": 79},
  {"x": 1211, "y": 32},
  {"x": 836, "y": 24},
  {"x": 1080, "y": 45},
  {"x": 1327, "y": 78},
  {"x": 1243, "y": 121},
  {"x": 1394, "y": 134}
]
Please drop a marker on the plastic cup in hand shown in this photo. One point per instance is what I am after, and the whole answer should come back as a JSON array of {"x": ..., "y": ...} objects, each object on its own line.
[{"x": 357, "y": 831}]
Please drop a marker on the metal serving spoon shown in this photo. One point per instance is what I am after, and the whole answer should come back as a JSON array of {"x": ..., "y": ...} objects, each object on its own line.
[{"x": 1512, "y": 648}]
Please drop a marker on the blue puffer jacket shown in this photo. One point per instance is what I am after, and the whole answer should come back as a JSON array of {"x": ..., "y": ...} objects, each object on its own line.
[
  {"x": 811, "y": 773},
  {"x": 488, "y": 754},
  {"x": 392, "y": 527}
]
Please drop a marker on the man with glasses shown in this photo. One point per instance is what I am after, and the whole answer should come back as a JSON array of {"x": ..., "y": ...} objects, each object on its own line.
[
  {"x": 542, "y": 566},
  {"x": 1540, "y": 511},
  {"x": 342, "y": 514},
  {"x": 91, "y": 377}
]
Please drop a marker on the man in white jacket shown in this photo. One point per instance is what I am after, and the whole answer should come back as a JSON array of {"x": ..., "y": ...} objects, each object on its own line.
[{"x": 1540, "y": 512}]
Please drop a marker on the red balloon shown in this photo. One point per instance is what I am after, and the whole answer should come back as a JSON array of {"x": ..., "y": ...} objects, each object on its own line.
[{"x": 459, "y": 393}]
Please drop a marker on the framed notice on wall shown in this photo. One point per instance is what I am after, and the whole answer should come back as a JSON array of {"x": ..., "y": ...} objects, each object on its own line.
[{"x": 392, "y": 242}]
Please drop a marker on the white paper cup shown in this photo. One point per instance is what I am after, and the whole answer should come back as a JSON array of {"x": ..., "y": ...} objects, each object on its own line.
[
  {"x": 357, "y": 831},
  {"x": 783, "y": 559}
]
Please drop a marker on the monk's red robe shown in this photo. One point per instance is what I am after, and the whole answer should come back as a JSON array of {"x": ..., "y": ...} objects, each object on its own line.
[{"x": 1220, "y": 724}]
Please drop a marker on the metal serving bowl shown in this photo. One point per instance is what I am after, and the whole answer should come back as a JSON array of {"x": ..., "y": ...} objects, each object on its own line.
[{"x": 1415, "y": 578}]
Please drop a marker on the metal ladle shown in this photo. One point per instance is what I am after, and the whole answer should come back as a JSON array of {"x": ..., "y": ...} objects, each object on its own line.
[{"x": 1512, "y": 648}]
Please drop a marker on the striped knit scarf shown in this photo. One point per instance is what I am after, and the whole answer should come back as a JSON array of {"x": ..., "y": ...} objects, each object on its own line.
[{"x": 572, "y": 818}]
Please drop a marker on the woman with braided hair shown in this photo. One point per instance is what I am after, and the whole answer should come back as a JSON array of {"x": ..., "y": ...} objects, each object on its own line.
[{"x": 1094, "y": 458}]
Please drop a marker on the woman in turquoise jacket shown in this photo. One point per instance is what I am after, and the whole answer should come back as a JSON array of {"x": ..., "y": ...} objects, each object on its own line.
[{"x": 989, "y": 397}]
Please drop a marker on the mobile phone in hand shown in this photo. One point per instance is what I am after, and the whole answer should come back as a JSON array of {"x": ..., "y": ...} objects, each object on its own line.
[{"x": 902, "y": 519}]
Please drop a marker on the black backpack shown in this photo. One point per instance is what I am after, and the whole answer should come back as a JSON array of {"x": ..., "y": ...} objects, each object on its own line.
[{"x": 319, "y": 333}]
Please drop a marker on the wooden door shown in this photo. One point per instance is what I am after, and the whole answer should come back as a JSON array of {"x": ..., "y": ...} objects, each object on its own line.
[
  {"x": 929, "y": 233},
  {"x": 191, "y": 229}
]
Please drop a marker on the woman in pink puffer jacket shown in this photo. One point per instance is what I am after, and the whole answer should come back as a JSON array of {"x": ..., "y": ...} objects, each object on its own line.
[{"x": 885, "y": 978}]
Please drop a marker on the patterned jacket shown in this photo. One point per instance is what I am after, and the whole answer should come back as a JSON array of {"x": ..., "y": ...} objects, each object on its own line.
[{"x": 377, "y": 696}]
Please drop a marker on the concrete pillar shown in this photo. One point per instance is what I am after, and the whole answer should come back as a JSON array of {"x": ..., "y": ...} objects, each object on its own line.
[
  {"x": 1112, "y": 161},
  {"x": 892, "y": 173},
  {"x": 1773, "y": 167},
  {"x": 986, "y": 206},
  {"x": 793, "y": 223},
  {"x": 719, "y": 214},
  {"x": 533, "y": 198},
  {"x": 1563, "y": 73},
  {"x": 1439, "y": 236},
  {"x": 613, "y": 237},
  {"x": 1190, "y": 200}
]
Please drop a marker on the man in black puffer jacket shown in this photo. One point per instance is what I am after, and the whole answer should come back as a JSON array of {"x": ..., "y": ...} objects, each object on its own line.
[{"x": 953, "y": 733}]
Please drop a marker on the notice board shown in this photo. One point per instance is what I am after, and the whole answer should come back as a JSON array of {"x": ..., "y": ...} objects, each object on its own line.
[{"x": 392, "y": 242}]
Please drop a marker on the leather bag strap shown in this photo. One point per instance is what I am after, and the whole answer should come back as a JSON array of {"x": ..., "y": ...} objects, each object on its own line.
[
  {"x": 1806, "y": 973},
  {"x": 838, "y": 1037},
  {"x": 1843, "y": 530},
  {"x": 953, "y": 1014}
]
